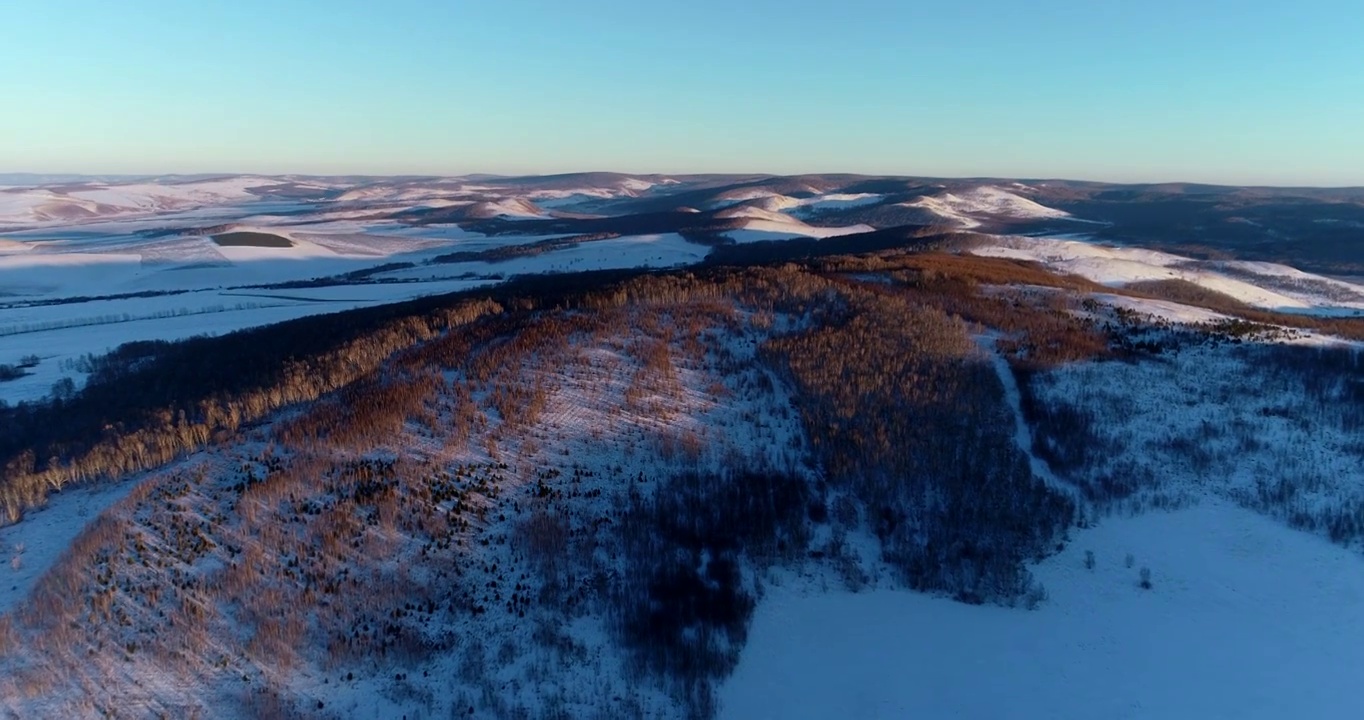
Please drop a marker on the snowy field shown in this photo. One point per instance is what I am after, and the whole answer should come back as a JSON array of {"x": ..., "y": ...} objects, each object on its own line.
[
  {"x": 60, "y": 282},
  {"x": 652, "y": 251},
  {"x": 1245, "y": 619},
  {"x": 93, "y": 330}
]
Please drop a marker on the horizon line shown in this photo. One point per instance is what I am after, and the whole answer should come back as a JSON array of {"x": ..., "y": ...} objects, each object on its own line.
[{"x": 756, "y": 174}]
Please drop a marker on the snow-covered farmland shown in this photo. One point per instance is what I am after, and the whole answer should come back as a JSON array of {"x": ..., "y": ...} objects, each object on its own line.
[
  {"x": 80, "y": 202},
  {"x": 62, "y": 333},
  {"x": 91, "y": 328},
  {"x": 60, "y": 286},
  {"x": 653, "y": 251}
]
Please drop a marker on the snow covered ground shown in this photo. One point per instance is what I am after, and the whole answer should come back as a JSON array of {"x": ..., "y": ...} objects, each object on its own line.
[
  {"x": 30, "y": 547},
  {"x": 653, "y": 251},
  {"x": 1022, "y": 436},
  {"x": 1217, "y": 420},
  {"x": 763, "y": 230},
  {"x": 1245, "y": 619},
  {"x": 968, "y": 208},
  {"x": 59, "y": 288},
  {"x": 803, "y": 206},
  {"x": 58, "y": 284},
  {"x": 1263, "y": 285},
  {"x": 62, "y": 333},
  {"x": 205, "y": 313},
  {"x": 833, "y": 201},
  {"x": 1162, "y": 309},
  {"x": 68, "y": 250},
  {"x": 763, "y": 224},
  {"x": 89, "y": 201}
]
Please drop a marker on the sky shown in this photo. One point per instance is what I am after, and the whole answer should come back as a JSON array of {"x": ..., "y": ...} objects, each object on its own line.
[{"x": 1245, "y": 92}]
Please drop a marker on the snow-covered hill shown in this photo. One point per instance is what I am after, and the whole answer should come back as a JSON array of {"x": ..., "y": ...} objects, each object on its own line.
[
  {"x": 972, "y": 208},
  {"x": 813, "y": 203},
  {"x": 761, "y": 223},
  {"x": 89, "y": 201},
  {"x": 1264, "y": 285},
  {"x": 486, "y": 628}
]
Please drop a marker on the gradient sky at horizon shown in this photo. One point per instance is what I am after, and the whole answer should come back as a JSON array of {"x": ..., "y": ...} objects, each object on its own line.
[{"x": 1248, "y": 92}]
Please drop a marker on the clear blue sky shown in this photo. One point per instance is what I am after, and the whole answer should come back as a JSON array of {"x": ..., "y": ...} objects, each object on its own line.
[{"x": 1251, "y": 91}]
